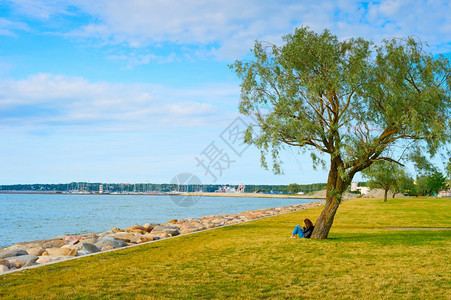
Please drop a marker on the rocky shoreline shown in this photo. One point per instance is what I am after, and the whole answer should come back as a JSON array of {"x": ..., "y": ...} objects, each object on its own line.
[{"x": 63, "y": 247}]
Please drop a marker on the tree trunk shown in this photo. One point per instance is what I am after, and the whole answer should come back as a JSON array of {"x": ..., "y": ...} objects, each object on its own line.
[
  {"x": 385, "y": 195},
  {"x": 335, "y": 188}
]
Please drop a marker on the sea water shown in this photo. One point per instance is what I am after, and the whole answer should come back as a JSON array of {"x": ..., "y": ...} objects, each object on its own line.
[{"x": 28, "y": 217}]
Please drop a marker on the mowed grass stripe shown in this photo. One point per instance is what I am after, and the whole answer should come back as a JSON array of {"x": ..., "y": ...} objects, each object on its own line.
[{"x": 258, "y": 260}]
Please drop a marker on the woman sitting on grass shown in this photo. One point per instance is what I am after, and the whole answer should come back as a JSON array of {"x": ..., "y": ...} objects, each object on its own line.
[{"x": 304, "y": 232}]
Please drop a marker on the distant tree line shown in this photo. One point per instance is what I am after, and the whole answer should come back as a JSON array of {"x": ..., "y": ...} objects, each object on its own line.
[{"x": 91, "y": 187}]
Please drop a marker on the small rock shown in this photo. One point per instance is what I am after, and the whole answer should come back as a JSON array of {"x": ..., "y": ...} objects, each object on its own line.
[
  {"x": 48, "y": 259},
  {"x": 37, "y": 251},
  {"x": 53, "y": 244},
  {"x": 73, "y": 239},
  {"x": 116, "y": 229},
  {"x": 107, "y": 247},
  {"x": 173, "y": 221},
  {"x": 90, "y": 240},
  {"x": 103, "y": 234},
  {"x": 11, "y": 253},
  {"x": 24, "y": 259},
  {"x": 15, "y": 263},
  {"x": 87, "y": 247},
  {"x": 149, "y": 226},
  {"x": 162, "y": 235},
  {"x": 61, "y": 251},
  {"x": 29, "y": 264},
  {"x": 136, "y": 227},
  {"x": 4, "y": 262},
  {"x": 172, "y": 230},
  {"x": 108, "y": 241},
  {"x": 125, "y": 236},
  {"x": 3, "y": 268}
]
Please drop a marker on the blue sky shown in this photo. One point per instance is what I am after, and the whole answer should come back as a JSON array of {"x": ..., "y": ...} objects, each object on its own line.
[{"x": 134, "y": 91}]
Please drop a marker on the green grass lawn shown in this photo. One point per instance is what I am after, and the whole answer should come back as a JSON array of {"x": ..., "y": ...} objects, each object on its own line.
[{"x": 361, "y": 259}]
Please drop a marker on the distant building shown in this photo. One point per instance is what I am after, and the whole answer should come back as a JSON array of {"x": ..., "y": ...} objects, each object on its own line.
[
  {"x": 362, "y": 189},
  {"x": 444, "y": 194},
  {"x": 101, "y": 189}
]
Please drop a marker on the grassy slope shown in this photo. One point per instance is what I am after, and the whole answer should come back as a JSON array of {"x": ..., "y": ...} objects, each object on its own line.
[{"x": 257, "y": 259}]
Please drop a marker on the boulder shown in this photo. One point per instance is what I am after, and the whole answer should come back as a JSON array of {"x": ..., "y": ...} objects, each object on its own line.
[
  {"x": 14, "y": 263},
  {"x": 4, "y": 262},
  {"x": 37, "y": 251},
  {"x": 137, "y": 231},
  {"x": 24, "y": 259},
  {"x": 144, "y": 239},
  {"x": 3, "y": 268},
  {"x": 91, "y": 236},
  {"x": 61, "y": 251},
  {"x": 135, "y": 227},
  {"x": 48, "y": 259},
  {"x": 188, "y": 229},
  {"x": 162, "y": 235},
  {"x": 87, "y": 247},
  {"x": 73, "y": 239},
  {"x": 53, "y": 244},
  {"x": 171, "y": 230},
  {"x": 116, "y": 229},
  {"x": 29, "y": 264},
  {"x": 149, "y": 226},
  {"x": 11, "y": 253},
  {"x": 125, "y": 236},
  {"x": 109, "y": 242},
  {"x": 107, "y": 247},
  {"x": 173, "y": 221},
  {"x": 103, "y": 234},
  {"x": 89, "y": 240}
]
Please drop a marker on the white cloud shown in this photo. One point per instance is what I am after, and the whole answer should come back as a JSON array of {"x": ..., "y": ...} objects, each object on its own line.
[
  {"x": 227, "y": 29},
  {"x": 43, "y": 9},
  {"x": 8, "y": 27},
  {"x": 58, "y": 102},
  {"x": 232, "y": 26}
]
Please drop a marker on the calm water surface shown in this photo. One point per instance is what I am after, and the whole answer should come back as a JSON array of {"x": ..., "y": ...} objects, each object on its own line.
[{"x": 28, "y": 217}]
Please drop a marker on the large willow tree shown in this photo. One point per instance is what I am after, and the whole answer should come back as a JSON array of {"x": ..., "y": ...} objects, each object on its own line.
[{"x": 349, "y": 103}]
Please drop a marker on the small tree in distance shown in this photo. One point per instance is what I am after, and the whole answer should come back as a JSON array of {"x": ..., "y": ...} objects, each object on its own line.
[
  {"x": 436, "y": 182},
  {"x": 351, "y": 101},
  {"x": 294, "y": 188},
  {"x": 385, "y": 175}
]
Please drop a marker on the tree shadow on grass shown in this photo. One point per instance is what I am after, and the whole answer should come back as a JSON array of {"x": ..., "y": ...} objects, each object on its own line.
[{"x": 408, "y": 237}]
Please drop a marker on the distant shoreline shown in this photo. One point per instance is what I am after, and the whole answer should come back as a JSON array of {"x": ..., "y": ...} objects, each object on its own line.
[
  {"x": 254, "y": 195},
  {"x": 239, "y": 195}
]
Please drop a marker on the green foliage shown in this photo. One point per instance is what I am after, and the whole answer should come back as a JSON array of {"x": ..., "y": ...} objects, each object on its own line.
[
  {"x": 436, "y": 182},
  {"x": 294, "y": 188},
  {"x": 422, "y": 185},
  {"x": 406, "y": 185},
  {"x": 430, "y": 183},
  {"x": 350, "y": 99},
  {"x": 448, "y": 170}
]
